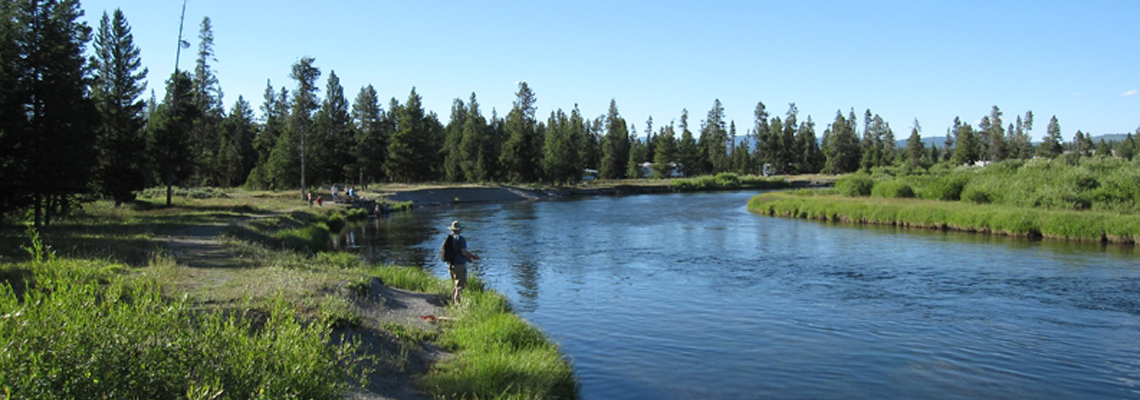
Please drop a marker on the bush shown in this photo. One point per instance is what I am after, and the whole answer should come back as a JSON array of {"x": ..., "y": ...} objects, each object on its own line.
[
  {"x": 947, "y": 188},
  {"x": 336, "y": 222},
  {"x": 357, "y": 214},
  {"x": 976, "y": 195},
  {"x": 313, "y": 238},
  {"x": 892, "y": 189},
  {"x": 855, "y": 185}
]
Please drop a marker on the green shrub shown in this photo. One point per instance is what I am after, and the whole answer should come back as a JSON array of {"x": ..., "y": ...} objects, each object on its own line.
[
  {"x": 357, "y": 214},
  {"x": 312, "y": 238},
  {"x": 892, "y": 189},
  {"x": 855, "y": 185},
  {"x": 336, "y": 222},
  {"x": 976, "y": 195}
]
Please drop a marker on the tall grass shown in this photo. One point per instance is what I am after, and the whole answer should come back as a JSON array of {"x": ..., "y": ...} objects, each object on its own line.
[
  {"x": 991, "y": 218},
  {"x": 727, "y": 181},
  {"x": 79, "y": 331},
  {"x": 1094, "y": 183},
  {"x": 497, "y": 354}
]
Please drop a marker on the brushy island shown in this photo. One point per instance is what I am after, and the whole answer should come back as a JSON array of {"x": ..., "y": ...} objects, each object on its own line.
[
  {"x": 95, "y": 328},
  {"x": 1090, "y": 200}
]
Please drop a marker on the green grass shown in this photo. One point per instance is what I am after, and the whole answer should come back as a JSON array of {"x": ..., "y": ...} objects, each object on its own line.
[
  {"x": 80, "y": 329},
  {"x": 497, "y": 354},
  {"x": 989, "y": 218},
  {"x": 256, "y": 329},
  {"x": 727, "y": 181}
]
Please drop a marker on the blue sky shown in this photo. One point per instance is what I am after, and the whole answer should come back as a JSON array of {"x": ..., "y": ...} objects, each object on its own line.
[{"x": 904, "y": 60}]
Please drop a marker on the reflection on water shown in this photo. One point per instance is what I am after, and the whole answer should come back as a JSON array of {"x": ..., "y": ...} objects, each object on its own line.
[{"x": 690, "y": 296}]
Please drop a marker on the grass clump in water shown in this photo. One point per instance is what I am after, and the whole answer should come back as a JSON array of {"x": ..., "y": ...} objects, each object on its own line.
[{"x": 498, "y": 355}]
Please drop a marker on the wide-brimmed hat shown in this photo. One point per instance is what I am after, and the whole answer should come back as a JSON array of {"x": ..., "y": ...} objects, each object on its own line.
[{"x": 454, "y": 226}]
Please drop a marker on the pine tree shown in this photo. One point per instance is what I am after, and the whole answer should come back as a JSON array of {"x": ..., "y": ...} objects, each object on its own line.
[
  {"x": 410, "y": 151},
  {"x": 207, "y": 97},
  {"x": 475, "y": 159},
  {"x": 301, "y": 115},
  {"x": 687, "y": 154},
  {"x": 1103, "y": 149},
  {"x": 117, "y": 88},
  {"x": 914, "y": 148},
  {"x": 1127, "y": 148},
  {"x": 713, "y": 143},
  {"x": 274, "y": 112},
  {"x": 371, "y": 141},
  {"x": 663, "y": 158},
  {"x": 968, "y": 150},
  {"x": 452, "y": 160},
  {"x": 519, "y": 156},
  {"x": 1051, "y": 146},
  {"x": 811, "y": 158},
  {"x": 168, "y": 133},
  {"x": 13, "y": 120},
  {"x": 763, "y": 153},
  {"x": 843, "y": 147},
  {"x": 615, "y": 147},
  {"x": 237, "y": 155},
  {"x": 888, "y": 143},
  {"x": 51, "y": 138},
  {"x": 789, "y": 152},
  {"x": 333, "y": 136},
  {"x": 560, "y": 150},
  {"x": 637, "y": 154},
  {"x": 998, "y": 150}
]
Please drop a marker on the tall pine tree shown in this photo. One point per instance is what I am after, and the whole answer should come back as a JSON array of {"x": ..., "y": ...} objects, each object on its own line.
[{"x": 118, "y": 84}]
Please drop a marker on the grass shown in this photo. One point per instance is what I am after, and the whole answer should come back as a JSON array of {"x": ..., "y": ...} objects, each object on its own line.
[
  {"x": 82, "y": 329},
  {"x": 102, "y": 312},
  {"x": 728, "y": 181},
  {"x": 987, "y": 218},
  {"x": 497, "y": 354}
]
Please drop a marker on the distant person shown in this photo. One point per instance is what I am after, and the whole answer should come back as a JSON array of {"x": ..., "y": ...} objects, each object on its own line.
[
  {"x": 320, "y": 201},
  {"x": 309, "y": 195},
  {"x": 332, "y": 192},
  {"x": 457, "y": 266}
]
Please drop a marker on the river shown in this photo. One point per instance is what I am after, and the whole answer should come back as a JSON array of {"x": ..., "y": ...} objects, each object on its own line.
[{"x": 690, "y": 296}]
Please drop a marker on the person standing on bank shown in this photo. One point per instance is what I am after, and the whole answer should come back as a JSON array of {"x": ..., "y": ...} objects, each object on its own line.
[{"x": 457, "y": 266}]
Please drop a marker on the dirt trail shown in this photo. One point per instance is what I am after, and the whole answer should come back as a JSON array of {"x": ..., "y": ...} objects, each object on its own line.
[{"x": 206, "y": 264}]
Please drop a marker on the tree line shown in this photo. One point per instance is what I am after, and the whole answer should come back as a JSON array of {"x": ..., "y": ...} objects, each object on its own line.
[{"x": 73, "y": 128}]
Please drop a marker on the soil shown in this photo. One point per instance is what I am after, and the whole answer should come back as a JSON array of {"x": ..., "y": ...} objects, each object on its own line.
[{"x": 203, "y": 257}]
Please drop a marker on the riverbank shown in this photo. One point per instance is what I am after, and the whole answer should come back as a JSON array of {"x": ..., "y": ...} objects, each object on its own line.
[
  {"x": 1091, "y": 226},
  {"x": 435, "y": 196},
  {"x": 225, "y": 269}
]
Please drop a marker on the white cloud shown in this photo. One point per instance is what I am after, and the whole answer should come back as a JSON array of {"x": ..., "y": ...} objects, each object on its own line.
[{"x": 1132, "y": 92}]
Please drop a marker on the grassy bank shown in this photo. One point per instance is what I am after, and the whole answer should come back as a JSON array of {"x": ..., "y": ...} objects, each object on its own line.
[
  {"x": 728, "y": 181},
  {"x": 497, "y": 354},
  {"x": 956, "y": 215},
  {"x": 110, "y": 314}
]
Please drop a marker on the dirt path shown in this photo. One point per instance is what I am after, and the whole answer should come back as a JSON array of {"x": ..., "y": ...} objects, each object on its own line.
[{"x": 206, "y": 265}]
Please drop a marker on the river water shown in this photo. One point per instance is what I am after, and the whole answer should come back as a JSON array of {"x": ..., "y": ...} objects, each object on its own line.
[{"x": 690, "y": 296}]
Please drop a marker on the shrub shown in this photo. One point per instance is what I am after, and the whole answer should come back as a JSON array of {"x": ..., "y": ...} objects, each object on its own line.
[
  {"x": 974, "y": 194},
  {"x": 336, "y": 222},
  {"x": 947, "y": 188},
  {"x": 892, "y": 189},
  {"x": 855, "y": 185},
  {"x": 357, "y": 214}
]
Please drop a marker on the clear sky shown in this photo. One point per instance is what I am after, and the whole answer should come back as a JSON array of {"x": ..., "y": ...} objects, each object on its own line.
[{"x": 904, "y": 60}]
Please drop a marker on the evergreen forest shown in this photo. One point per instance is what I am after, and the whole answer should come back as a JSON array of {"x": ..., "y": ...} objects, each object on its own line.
[{"x": 76, "y": 124}]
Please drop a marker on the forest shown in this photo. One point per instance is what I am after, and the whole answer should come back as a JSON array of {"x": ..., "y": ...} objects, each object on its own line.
[{"x": 76, "y": 125}]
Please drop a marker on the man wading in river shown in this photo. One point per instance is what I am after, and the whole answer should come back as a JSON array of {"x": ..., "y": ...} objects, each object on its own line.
[{"x": 454, "y": 252}]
